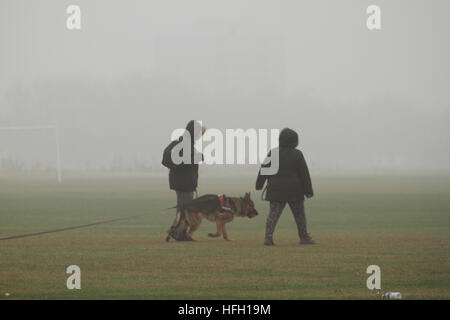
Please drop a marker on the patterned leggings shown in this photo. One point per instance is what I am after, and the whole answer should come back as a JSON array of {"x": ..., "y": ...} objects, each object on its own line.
[{"x": 298, "y": 210}]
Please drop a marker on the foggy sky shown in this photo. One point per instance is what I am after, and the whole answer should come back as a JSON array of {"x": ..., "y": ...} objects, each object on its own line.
[{"x": 137, "y": 70}]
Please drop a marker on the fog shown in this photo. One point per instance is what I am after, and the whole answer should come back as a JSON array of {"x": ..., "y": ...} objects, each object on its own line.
[{"x": 137, "y": 70}]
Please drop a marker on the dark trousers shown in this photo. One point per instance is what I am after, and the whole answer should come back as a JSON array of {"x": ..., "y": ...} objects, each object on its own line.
[
  {"x": 178, "y": 231},
  {"x": 182, "y": 198},
  {"x": 298, "y": 210}
]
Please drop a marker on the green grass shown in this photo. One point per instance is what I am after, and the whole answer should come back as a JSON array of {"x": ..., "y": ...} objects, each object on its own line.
[{"x": 400, "y": 223}]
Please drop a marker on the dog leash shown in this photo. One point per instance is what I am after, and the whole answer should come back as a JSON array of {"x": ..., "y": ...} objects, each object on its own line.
[
  {"x": 84, "y": 225},
  {"x": 80, "y": 226},
  {"x": 71, "y": 228},
  {"x": 263, "y": 192}
]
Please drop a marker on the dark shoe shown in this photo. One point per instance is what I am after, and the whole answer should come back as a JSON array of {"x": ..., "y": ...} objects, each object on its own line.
[
  {"x": 269, "y": 242},
  {"x": 307, "y": 240}
]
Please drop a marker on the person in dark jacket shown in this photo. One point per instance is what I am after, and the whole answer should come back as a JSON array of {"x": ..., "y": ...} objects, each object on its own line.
[
  {"x": 289, "y": 185},
  {"x": 183, "y": 177}
]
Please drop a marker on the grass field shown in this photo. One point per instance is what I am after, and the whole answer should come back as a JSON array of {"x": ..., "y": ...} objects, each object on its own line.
[{"x": 401, "y": 224}]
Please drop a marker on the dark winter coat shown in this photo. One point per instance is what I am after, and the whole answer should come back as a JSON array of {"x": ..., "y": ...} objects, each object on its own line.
[
  {"x": 184, "y": 176},
  {"x": 292, "y": 181}
]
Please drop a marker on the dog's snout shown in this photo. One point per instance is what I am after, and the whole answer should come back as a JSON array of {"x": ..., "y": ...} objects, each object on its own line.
[{"x": 252, "y": 213}]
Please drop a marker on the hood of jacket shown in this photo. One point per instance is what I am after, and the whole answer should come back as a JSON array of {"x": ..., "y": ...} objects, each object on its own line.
[
  {"x": 192, "y": 127},
  {"x": 288, "y": 138}
]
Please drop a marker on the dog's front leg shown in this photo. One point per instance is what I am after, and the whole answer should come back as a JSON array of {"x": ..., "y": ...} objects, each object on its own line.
[
  {"x": 218, "y": 233},
  {"x": 224, "y": 229},
  {"x": 225, "y": 235}
]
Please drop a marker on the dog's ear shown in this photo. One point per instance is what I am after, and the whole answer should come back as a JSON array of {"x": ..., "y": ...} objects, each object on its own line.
[{"x": 247, "y": 195}]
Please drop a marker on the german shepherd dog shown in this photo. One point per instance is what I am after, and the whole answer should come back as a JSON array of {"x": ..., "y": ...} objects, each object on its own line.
[{"x": 219, "y": 209}]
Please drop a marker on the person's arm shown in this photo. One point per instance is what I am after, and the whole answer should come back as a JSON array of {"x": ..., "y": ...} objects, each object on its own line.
[
  {"x": 167, "y": 157},
  {"x": 305, "y": 178},
  {"x": 261, "y": 179}
]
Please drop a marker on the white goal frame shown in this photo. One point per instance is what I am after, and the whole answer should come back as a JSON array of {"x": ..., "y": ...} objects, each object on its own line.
[{"x": 43, "y": 127}]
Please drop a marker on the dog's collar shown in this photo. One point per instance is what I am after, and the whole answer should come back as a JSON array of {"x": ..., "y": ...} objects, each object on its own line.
[{"x": 226, "y": 203}]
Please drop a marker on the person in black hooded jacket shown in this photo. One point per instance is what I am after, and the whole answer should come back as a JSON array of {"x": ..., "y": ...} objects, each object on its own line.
[
  {"x": 183, "y": 177},
  {"x": 289, "y": 185}
]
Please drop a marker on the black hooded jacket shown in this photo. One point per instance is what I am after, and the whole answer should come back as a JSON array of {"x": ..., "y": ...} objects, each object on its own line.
[
  {"x": 184, "y": 176},
  {"x": 292, "y": 181}
]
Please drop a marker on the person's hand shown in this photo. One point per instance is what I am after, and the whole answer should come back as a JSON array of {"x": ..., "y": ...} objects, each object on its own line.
[{"x": 309, "y": 196}]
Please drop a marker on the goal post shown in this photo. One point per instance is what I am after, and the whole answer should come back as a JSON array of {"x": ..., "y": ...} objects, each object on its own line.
[{"x": 55, "y": 130}]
